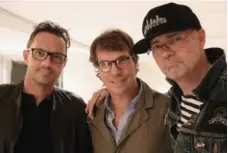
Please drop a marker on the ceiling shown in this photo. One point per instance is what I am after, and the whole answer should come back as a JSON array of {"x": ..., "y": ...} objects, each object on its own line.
[{"x": 87, "y": 19}]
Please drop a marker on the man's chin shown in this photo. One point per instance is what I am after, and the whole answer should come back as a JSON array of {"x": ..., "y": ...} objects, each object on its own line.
[
  {"x": 175, "y": 76},
  {"x": 45, "y": 82},
  {"x": 116, "y": 91}
]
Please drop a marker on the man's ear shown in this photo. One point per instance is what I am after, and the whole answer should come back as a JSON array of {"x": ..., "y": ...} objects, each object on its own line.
[
  {"x": 25, "y": 55},
  {"x": 137, "y": 68},
  {"x": 98, "y": 75},
  {"x": 202, "y": 38},
  {"x": 64, "y": 64}
]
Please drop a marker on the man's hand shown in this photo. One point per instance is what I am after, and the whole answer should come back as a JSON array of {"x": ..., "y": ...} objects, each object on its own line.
[{"x": 95, "y": 100}]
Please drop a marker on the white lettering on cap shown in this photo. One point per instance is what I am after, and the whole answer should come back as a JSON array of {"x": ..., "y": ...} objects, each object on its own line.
[{"x": 151, "y": 23}]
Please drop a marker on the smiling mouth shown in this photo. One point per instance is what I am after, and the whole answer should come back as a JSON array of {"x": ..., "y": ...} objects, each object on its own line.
[
  {"x": 46, "y": 72},
  {"x": 118, "y": 82}
]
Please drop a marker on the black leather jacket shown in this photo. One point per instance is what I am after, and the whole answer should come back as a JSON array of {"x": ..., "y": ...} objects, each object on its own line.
[
  {"x": 69, "y": 130},
  {"x": 207, "y": 131}
]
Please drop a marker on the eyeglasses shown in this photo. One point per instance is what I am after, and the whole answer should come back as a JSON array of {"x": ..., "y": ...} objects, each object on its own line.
[
  {"x": 173, "y": 42},
  {"x": 41, "y": 55},
  {"x": 121, "y": 63}
]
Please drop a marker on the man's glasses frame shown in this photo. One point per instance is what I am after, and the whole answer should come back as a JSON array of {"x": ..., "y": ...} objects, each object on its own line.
[
  {"x": 120, "y": 63},
  {"x": 41, "y": 55}
]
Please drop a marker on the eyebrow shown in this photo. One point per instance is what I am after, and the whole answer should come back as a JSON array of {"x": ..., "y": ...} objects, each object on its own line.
[{"x": 114, "y": 59}]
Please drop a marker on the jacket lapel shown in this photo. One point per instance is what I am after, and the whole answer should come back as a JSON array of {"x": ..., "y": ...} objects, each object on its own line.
[
  {"x": 99, "y": 123},
  {"x": 17, "y": 97},
  {"x": 140, "y": 116},
  {"x": 135, "y": 122}
]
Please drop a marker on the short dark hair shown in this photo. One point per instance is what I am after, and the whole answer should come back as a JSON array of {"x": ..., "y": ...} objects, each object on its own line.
[
  {"x": 112, "y": 40},
  {"x": 50, "y": 27}
]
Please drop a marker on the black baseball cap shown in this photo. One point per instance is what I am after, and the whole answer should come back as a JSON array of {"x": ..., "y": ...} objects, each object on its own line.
[{"x": 170, "y": 17}]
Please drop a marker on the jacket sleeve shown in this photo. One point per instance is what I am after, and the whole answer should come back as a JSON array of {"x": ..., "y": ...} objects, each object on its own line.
[{"x": 4, "y": 89}]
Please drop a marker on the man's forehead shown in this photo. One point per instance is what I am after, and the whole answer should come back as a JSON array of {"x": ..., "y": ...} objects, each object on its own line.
[
  {"x": 48, "y": 41},
  {"x": 111, "y": 54},
  {"x": 164, "y": 36}
]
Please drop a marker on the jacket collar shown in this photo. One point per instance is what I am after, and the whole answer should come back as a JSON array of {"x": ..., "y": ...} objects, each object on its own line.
[
  {"x": 143, "y": 92},
  {"x": 56, "y": 94},
  {"x": 140, "y": 116},
  {"x": 216, "y": 57},
  {"x": 213, "y": 75},
  {"x": 17, "y": 93}
]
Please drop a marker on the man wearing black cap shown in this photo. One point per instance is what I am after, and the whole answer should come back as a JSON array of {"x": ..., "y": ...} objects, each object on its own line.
[
  {"x": 198, "y": 103},
  {"x": 197, "y": 99}
]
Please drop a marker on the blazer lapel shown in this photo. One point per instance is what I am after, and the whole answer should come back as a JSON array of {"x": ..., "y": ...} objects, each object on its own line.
[
  {"x": 140, "y": 116},
  {"x": 99, "y": 123}
]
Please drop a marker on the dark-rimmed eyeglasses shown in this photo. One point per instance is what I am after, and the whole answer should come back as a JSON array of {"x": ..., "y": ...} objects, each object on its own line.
[
  {"x": 41, "y": 55},
  {"x": 174, "y": 42},
  {"x": 121, "y": 63}
]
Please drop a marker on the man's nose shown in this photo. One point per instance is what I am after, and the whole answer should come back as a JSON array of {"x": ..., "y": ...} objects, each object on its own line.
[
  {"x": 167, "y": 51},
  {"x": 47, "y": 62},
  {"x": 114, "y": 69}
]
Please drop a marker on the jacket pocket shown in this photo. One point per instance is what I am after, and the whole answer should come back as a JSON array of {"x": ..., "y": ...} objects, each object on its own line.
[{"x": 210, "y": 144}]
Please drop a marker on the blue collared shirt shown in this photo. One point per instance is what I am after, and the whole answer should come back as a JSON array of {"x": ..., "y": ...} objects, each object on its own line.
[{"x": 110, "y": 115}]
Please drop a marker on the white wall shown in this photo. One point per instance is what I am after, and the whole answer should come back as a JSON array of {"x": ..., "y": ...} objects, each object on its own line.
[
  {"x": 5, "y": 69},
  {"x": 79, "y": 76}
]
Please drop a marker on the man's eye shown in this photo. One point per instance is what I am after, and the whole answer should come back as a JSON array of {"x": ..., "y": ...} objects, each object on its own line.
[
  {"x": 59, "y": 57},
  {"x": 123, "y": 59},
  {"x": 104, "y": 64},
  {"x": 157, "y": 46},
  {"x": 175, "y": 40},
  {"x": 40, "y": 53},
  {"x": 178, "y": 38}
]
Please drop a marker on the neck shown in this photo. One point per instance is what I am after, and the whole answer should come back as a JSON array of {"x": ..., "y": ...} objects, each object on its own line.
[
  {"x": 193, "y": 79},
  {"x": 120, "y": 102},
  {"x": 37, "y": 90}
]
